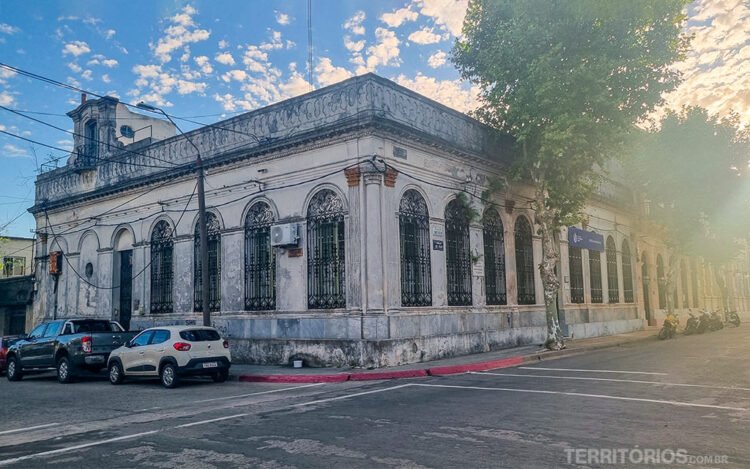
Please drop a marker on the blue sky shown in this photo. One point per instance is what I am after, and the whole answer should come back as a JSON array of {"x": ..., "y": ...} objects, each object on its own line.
[{"x": 214, "y": 59}]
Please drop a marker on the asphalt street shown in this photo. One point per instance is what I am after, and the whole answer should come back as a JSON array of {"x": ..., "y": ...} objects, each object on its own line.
[{"x": 643, "y": 403}]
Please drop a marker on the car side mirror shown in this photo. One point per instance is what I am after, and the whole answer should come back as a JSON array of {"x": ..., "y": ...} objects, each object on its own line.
[{"x": 128, "y": 344}]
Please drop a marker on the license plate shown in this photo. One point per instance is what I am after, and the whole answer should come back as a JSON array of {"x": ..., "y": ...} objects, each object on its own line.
[{"x": 210, "y": 365}]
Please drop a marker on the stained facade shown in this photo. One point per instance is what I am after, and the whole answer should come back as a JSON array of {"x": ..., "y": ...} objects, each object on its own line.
[{"x": 389, "y": 266}]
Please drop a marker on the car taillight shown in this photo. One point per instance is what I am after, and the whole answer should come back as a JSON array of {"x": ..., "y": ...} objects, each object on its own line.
[
  {"x": 226, "y": 343},
  {"x": 181, "y": 346},
  {"x": 86, "y": 344}
]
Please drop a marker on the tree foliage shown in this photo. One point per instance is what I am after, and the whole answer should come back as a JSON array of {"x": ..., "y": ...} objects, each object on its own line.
[{"x": 568, "y": 79}]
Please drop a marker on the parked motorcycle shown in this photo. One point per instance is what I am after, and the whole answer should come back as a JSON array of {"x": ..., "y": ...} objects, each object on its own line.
[
  {"x": 692, "y": 324},
  {"x": 704, "y": 322},
  {"x": 669, "y": 329},
  {"x": 733, "y": 318},
  {"x": 716, "y": 322}
]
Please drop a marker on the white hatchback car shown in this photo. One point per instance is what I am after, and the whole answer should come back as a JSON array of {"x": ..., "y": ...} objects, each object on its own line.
[{"x": 171, "y": 352}]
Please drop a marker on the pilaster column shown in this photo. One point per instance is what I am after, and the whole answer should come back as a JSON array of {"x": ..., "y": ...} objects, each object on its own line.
[
  {"x": 478, "y": 267},
  {"x": 182, "y": 289},
  {"x": 232, "y": 270},
  {"x": 373, "y": 242}
]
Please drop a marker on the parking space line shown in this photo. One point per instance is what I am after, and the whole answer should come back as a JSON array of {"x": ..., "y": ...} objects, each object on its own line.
[
  {"x": 591, "y": 371},
  {"x": 580, "y": 394},
  {"x": 192, "y": 424},
  {"x": 257, "y": 393},
  {"x": 26, "y": 429},
  {"x": 348, "y": 396},
  {"x": 5, "y": 462},
  {"x": 614, "y": 380}
]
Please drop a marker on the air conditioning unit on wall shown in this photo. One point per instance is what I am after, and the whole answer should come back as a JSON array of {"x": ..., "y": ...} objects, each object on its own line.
[{"x": 284, "y": 235}]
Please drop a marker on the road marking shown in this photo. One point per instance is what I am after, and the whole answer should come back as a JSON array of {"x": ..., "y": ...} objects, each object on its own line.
[
  {"x": 257, "y": 393},
  {"x": 612, "y": 380},
  {"x": 192, "y": 424},
  {"x": 5, "y": 462},
  {"x": 36, "y": 427},
  {"x": 580, "y": 394},
  {"x": 347, "y": 396},
  {"x": 591, "y": 371}
]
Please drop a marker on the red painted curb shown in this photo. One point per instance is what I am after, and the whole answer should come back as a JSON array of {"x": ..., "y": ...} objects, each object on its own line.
[
  {"x": 337, "y": 378},
  {"x": 388, "y": 375},
  {"x": 482, "y": 366}
]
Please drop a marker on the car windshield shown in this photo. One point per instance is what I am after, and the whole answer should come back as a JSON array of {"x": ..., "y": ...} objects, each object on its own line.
[
  {"x": 95, "y": 326},
  {"x": 200, "y": 335}
]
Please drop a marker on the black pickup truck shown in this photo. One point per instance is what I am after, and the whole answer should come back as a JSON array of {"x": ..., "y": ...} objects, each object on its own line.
[{"x": 68, "y": 346}]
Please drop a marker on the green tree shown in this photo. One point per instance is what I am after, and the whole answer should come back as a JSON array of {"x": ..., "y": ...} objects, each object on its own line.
[
  {"x": 568, "y": 79},
  {"x": 694, "y": 171}
]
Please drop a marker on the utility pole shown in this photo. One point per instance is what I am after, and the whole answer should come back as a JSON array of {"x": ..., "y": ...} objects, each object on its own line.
[{"x": 203, "y": 229}]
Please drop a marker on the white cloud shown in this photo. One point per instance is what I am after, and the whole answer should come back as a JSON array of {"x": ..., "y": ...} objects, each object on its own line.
[
  {"x": 295, "y": 86},
  {"x": 67, "y": 144},
  {"x": 236, "y": 75},
  {"x": 353, "y": 46},
  {"x": 106, "y": 78},
  {"x": 187, "y": 87},
  {"x": 99, "y": 59},
  {"x": 74, "y": 67},
  {"x": 282, "y": 18},
  {"x": 87, "y": 75},
  {"x": 399, "y": 17},
  {"x": 255, "y": 60},
  {"x": 109, "y": 63},
  {"x": 109, "y": 34},
  {"x": 354, "y": 24},
  {"x": 452, "y": 93},
  {"x": 6, "y": 28},
  {"x": 6, "y": 99},
  {"x": 225, "y": 58},
  {"x": 204, "y": 63},
  {"x": 76, "y": 48},
  {"x": 447, "y": 13},
  {"x": 328, "y": 74},
  {"x": 437, "y": 59},
  {"x": 223, "y": 44},
  {"x": 276, "y": 42},
  {"x": 181, "y": 33},
  {"x": 13, "y": 151},
  {"x": 385, "y": 51},
  {"x": 425, "y": 36}
]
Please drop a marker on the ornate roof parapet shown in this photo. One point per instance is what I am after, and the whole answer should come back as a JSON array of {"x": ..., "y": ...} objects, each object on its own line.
[{"x": 359, "y": 101}]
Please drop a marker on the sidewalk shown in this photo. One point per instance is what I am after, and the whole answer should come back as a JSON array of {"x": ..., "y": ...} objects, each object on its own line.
[{"x": 477, "y": 362}]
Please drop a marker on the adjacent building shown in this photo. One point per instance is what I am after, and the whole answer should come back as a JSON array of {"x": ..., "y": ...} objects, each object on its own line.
[
  {"x": 346, "y": 226},
  {"x": 16, "y": 284}
]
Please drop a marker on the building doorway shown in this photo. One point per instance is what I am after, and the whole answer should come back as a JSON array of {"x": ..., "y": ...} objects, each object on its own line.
[{"x": 126, "y": 288}]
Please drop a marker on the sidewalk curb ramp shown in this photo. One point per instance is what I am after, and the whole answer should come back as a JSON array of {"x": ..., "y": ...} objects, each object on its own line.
[{"x": 442, "y": 370}]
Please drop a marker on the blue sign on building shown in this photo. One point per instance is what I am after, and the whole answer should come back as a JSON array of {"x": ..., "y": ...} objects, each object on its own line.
[{"x": 579, "y": 238}]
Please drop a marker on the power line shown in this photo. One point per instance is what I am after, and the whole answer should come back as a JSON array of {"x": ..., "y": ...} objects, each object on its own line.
[
  {"x": 99, "y": 287},
  {"x": 86, "y": 137}
]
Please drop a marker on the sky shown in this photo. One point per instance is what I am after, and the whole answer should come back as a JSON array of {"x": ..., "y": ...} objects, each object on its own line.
[{"x": 209, "y": 60}]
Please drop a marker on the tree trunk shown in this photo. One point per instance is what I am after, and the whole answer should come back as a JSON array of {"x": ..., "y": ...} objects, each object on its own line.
[{"x": 546, "y": 219}]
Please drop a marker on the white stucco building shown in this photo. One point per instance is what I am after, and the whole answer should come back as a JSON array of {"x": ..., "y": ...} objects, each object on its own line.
[{"x": 389, "y": 266}]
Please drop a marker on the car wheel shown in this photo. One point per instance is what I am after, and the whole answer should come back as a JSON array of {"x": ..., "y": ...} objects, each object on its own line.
[
  {"x": 13, "y": 370},
  {"x": 169, "y": 376},
  {"x": 220, "y": 376},
  {"x": 64, "y": 370},
  {"x": 116, "y": 376}
]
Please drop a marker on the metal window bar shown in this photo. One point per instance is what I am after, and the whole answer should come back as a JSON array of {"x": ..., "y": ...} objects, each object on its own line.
[
  {"x": 494, "y": 259},
  {"x": 595, "y": 276},
  {"x": 612, "y": 276},
  {"x": 214, "y": 266},
  {"x": 627, "y": 273},
  {"x": 575, "y": 260},
  {"x": 457, "y": 255},
  {"x": 414, "y": 234},
  {"x": 260, "y": 259},
  {"x": 161, "y": 268},
  {"x": 524, "y": 263},
  {"x": 326, "y": 275}
]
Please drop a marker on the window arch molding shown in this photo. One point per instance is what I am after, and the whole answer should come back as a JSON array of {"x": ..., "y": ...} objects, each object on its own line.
[
  {"x": 320, "y": 187},
  {"x": 421, "y": 192},
  {"x": 209, "y": 213},
  {"x": 118, "y": 232},
  {"x": 83, "y": 237},
  {"x": 164, "y": 217}
]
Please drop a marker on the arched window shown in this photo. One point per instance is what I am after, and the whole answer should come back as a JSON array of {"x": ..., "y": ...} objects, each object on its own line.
[
  {"x": 214, "y": 265},
  {"x": 494, "y": 258},
  {"x": 575, "y": 262},
  {"x": 162, "y": 243},
  {"x": 595, "y": 276},
  {"x": 326, "y": 277},
  {"x": 694, "y": 281},
  {"x": 524, "y": 262},
  {"x": 684, "y": 285},
  {"x": 627, "y": 272},
  {"x": 612, "y": 278},
  {"x": 675, "y": 302},
  {"x": 414, "y": 234},
  {"x": 457, "y": 254},
  {"x": 260, "y": 259},
  {"x": 661, "y": 282}
]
